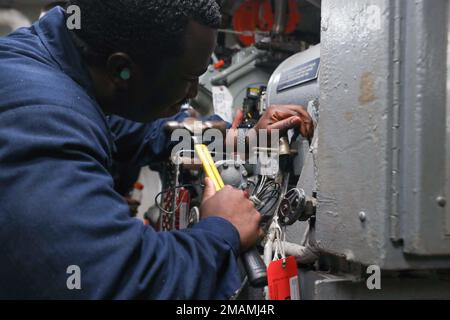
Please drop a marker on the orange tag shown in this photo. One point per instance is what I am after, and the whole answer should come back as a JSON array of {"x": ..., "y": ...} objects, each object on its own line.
[{"x": 282, "y": 277}]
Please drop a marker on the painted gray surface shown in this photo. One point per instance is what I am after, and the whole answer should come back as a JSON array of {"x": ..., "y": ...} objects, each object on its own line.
[
  {"x": 353, "y": 150},
  {"x": 297, "y": 95},
  {"x": 425, "y": 160},
  {"x": 371, "y": 158},
  {"x": 248, "y": 76},
  {"x": 423, "y": 166},
  {"x": 323, "y": 286},
  {"x": 448, "y": 118}
]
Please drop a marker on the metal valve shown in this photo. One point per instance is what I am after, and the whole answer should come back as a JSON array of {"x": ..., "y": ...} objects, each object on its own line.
[{"x": 296, "y": 206}]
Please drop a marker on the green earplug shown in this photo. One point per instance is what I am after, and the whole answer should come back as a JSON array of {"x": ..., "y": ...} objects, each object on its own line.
[{"x": 125, "y": 74}]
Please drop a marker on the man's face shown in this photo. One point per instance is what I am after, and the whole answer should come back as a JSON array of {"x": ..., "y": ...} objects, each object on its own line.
[{"x": 175, "y": 81}]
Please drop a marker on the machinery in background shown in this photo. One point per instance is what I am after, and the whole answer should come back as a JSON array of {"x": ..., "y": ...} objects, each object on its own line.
[
  {"x": 255, "y": 38},
  {"x": 367, "y": 198},
  {"x": 381, "y": 186},
  {"x": 12, "y": 19}
]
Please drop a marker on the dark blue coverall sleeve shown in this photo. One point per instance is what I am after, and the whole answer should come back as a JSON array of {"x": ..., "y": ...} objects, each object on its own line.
[{"x": 58, "y": 206}]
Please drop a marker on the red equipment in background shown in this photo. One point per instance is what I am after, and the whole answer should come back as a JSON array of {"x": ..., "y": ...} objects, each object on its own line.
[{"x": 257, "y": 15}]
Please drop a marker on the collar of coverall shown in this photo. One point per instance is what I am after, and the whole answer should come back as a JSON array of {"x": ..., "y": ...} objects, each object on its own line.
[{"x": 56, "y": 38}]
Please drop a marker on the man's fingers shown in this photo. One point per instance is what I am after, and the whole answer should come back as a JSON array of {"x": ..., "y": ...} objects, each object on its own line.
[
  {"x": 305, "y": 126},
  {"x": 283, "y": 112},
  {"x": 309, "y": 130},
  {"x": 285, "y": 124},
  {"x": 292, "y": 109},
  {"x": 280, "y": 115},
  {"x": 210, "y": 189},
  {"x": 287, "y": 111}
]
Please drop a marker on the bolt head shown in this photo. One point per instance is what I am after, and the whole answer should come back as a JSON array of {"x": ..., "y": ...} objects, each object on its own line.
[
  {"x": 441, "y": 201},
  {"x": 362, "y": 216}
]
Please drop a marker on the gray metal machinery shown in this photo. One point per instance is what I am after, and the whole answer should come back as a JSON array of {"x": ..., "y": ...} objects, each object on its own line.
[
  {"x": 251, "y": 66},
  {"x": 378, "y": 168},
  {"x": 379, "y": 164},
  {"x": 244, "y": 72}
]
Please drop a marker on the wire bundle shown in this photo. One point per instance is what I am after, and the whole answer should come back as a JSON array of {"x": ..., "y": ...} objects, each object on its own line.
[{"x": 266, "y": 195}]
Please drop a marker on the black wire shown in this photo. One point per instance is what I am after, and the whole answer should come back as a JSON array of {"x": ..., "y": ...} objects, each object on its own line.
[
  {"x": 268, "y": 207},
  {"x": 270, "y": 191}
]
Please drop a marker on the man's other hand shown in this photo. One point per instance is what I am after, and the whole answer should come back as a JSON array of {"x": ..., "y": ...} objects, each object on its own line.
[{"x": 284, "y": 117}]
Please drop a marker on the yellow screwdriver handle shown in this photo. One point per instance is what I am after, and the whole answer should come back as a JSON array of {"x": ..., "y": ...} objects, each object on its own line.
[
  {"x": 213, "y": 167},
  {"x": 209, "y": 165}
]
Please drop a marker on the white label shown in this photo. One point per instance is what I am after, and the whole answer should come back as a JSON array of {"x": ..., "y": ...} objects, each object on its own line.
[
  {"x": 295, "y": 290},
  {"x": 223, "y": 102}
]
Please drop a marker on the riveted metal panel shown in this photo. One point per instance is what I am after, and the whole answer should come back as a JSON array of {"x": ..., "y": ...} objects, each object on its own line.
[
  {"x": 354, "y": 152},
  {"x": 424, "y": 214},
  {"x": 382, "y": 161}
]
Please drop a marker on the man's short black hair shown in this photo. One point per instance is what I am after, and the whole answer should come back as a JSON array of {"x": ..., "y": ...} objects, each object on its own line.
[{"x": 141, "y": 28}]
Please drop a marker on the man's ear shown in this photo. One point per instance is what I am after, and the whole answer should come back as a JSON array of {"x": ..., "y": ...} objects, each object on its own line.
[{"x": 121, "y": 69}]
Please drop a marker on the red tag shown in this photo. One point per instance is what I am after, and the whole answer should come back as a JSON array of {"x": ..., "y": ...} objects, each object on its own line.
[{"x": 282, "y": 276}]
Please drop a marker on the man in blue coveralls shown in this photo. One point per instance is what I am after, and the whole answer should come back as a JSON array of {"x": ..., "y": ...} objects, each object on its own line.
[{"x": 70, "y": 102}]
